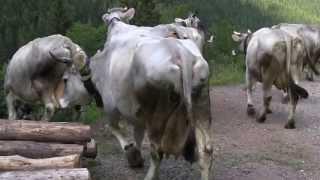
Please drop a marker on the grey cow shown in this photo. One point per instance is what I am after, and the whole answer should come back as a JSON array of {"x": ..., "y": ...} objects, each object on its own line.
[
  {"x": 157, "y": 84},
  {"x": 273, "y": 57},
  {"x": 46, "y": 71},
  {"x": 310, "y": 34}
]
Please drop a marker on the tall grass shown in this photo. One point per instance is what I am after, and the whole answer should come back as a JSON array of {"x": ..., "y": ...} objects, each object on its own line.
[
  {"x": 227, "y": 69},
  {"x": 222, "y": 17}
]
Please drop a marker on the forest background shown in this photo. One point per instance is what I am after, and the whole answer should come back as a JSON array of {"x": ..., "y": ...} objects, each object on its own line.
[{"x": 24, "y": 20}]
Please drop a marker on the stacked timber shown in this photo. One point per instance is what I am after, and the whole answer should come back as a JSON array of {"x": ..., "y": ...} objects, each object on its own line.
[{"x": 44, "y": 150}]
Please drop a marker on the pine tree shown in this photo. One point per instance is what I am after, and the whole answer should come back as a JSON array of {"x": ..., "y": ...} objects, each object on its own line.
[
  {"x": 146, "y": 12},
  {"x": 60, "y": 16}
]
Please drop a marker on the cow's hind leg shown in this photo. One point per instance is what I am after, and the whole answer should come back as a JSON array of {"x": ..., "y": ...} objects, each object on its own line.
[
  {"x": 133, "y": 154},
  {"x": 153, "y": 171},
  {"x": 250, "y": 83},
  {"x": 12, "y": 112},
  {"x": 205, "y": 151},
  {"x": 266, "y": 90},
  {"x": 293, "y": 101},
  {"x": 139, "y": 132}
]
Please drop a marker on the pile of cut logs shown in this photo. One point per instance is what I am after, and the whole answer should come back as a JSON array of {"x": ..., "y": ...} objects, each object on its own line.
[{"x": 44, "y": 150}]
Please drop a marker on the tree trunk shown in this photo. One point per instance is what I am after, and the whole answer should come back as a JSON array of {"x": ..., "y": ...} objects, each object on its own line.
[
  {"x": 15, "y": 163},
  {"x": 56, "y": 174},
  {"x": 44, "y": 131},
  {"x": 38, "y": 150}
]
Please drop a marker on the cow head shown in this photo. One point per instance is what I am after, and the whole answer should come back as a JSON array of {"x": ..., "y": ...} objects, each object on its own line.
[
  {"x": 120, "y": 14},
  {"x": 243, "y": 39},
  {"x": 71, "y": 90},
  {"x": 199, "y": 34},
  {"x": 191, "y": 21}
]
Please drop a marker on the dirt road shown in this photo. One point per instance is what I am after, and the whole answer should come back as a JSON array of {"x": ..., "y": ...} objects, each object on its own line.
[{"x": 244, "y": 149}]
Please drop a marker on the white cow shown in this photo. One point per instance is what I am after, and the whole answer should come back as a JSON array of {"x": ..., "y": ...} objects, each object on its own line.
[
  {"x": 273, "y": 57},
  {"x": 160, "y": 86},
  {"x": 310, "y": 34},
  {"x": 46, "y": 71}
]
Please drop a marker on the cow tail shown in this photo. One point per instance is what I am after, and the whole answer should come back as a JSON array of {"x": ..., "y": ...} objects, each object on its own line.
[
  {"x": 288, "y": 55},
  {"x": 189, "y": 150},
  {"x": 186, "y": 86},
  {"x": 297, "y": 91}
]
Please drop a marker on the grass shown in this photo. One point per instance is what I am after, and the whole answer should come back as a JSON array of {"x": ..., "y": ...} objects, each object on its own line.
[
  {"x": 91, "y": 115},
  {"x": 222, "y": 17},
  {"x": 226, "y": 70},
  {"x": 291, "y": 10},
  {"x": 224, "y": 74}
]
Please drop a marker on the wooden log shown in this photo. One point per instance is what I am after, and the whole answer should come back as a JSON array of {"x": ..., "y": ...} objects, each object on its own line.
[
  {"x": 56, "y": 174},
  {"x": 44, "y": 131},
  {"x": 16, "y": 163},
  {"x": 38, "y": 150},
  {"x": 90, "y": 149}
]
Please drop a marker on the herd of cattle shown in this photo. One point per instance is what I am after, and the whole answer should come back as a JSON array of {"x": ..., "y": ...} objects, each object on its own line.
[{"x": 157, "y": 79}]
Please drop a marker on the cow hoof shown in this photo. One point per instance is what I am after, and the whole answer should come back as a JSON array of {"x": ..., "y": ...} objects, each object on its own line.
[
  {"x": 290, "y": 125},
  {"x": 269, "y": 111},
  {"x": 250, "y": 110},
  {"x": 261, "y": 119},
  {"x": 310, "y": 78},
  {"x": 134, "y": 156}
]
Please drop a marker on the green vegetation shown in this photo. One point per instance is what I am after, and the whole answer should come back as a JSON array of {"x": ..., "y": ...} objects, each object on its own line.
[
  {"x": 89, "y": 37},
  {"x": 22, "y": 21},
  {"x": 91, "y": 115}
]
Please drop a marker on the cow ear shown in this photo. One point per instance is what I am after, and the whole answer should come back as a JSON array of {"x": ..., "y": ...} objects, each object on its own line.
[
  {"x": 210, "y": 40},
  {"x": 105, "y": 18},
  {"x": 180, "y": 21},
  {"x": 61, "y": 54},
  {"x": 236, "y": 38},
  {"x": 129, "y": 14}
]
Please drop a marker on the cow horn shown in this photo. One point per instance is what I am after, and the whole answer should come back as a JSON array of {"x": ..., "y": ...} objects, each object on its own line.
[
  {"x": 234, "y": 52},
  {"x": 117, "y": 9},
  {"x": 211, "y": 39},
  {"x": 249, "y": 31},
  {"x": 236, "y": 33}
]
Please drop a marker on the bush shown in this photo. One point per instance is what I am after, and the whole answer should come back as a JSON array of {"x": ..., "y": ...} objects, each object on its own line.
[{"x": 90, "y": 38}]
